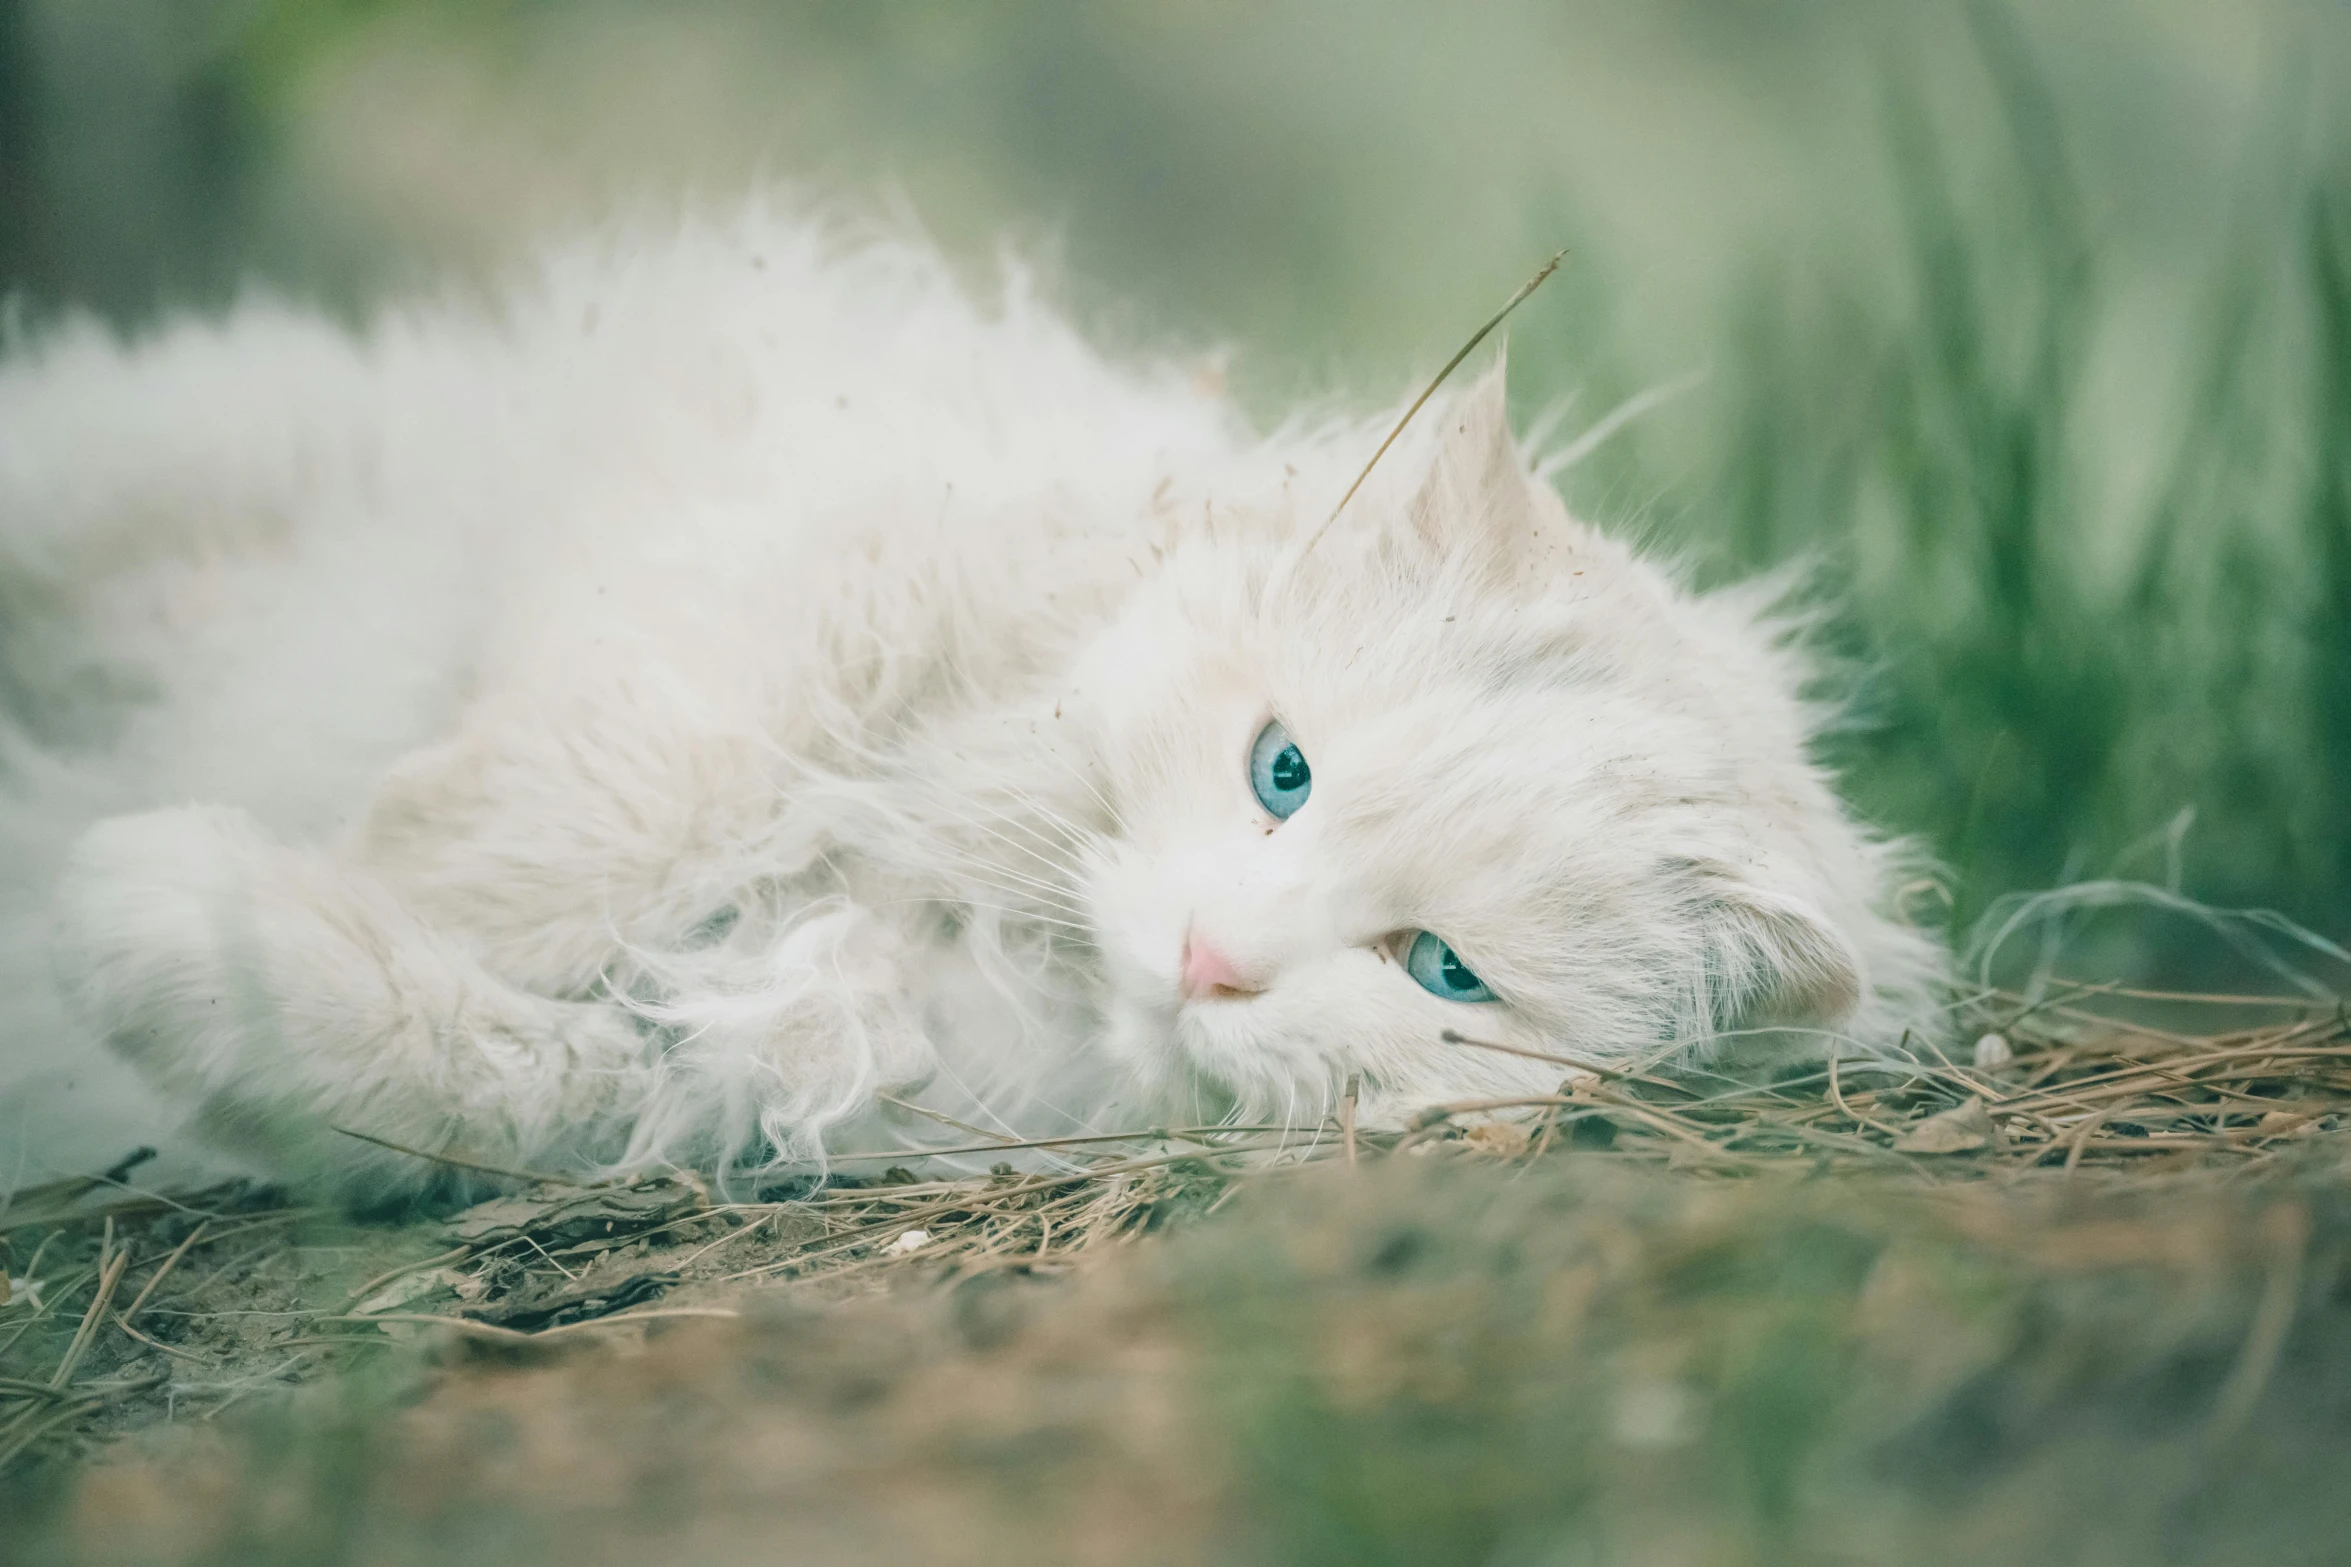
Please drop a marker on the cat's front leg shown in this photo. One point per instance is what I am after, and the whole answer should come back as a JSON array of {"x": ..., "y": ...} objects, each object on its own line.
[{"x": 280, "y": 994}]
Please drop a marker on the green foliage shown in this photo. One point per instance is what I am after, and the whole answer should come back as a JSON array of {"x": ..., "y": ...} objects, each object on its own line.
[{"x": 2040, "y": 712}]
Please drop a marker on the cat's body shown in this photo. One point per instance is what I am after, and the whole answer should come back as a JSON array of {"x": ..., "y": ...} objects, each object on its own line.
[{"x": 745, "y": 676}]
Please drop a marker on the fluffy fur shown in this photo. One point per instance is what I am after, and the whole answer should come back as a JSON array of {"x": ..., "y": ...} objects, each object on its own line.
[{"x": 743, "y": 675}]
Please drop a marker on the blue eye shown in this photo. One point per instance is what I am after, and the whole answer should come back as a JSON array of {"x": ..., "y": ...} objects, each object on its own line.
[
  {"x": 1439, "y": 971},
  {"x": 1278, "y": 772}
]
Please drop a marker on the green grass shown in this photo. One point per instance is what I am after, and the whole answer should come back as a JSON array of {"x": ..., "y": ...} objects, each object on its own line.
[{"x": 2042, "y": 705}]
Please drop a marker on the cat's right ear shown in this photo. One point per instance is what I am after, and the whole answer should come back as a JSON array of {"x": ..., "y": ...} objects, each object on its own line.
[{"x": 1481, "y": 506}]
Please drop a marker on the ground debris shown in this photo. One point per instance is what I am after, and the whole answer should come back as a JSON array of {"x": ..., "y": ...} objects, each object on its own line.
[
  {"x": 1587, "y": 1359},
  {"x": 560, "y": 1216},
  {"x": 1959, "y": 1130},
  {"x": 219, "y": 1295},
  {"x": 584, "y": 1304}
]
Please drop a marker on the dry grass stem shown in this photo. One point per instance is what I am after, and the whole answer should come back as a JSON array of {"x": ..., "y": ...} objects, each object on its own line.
[
  {"x": 455, "y": 1162},
  {"x": 2079, "y": 1093}
]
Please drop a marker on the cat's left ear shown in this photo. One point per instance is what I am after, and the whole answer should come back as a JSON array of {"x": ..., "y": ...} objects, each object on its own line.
[{"x": 1480, "y": 504}]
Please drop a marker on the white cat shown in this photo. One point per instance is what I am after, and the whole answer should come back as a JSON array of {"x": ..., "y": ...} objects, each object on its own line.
[{"x": 740, "y": 676}]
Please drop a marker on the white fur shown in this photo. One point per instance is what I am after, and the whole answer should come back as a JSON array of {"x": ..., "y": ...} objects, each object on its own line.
[{"x": 743, "y": 674}]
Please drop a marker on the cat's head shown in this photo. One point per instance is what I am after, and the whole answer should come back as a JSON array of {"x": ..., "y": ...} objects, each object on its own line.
[{"x": 1463, "y": 767}]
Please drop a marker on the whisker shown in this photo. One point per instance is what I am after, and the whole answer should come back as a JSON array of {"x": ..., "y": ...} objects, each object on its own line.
[
  {"x": 1024, "y": 914},
  {"x": 1080, "y": 836},
  {"x": 1056, "y": 861},
  {"x": 1012, "y": 911},
  {"x": 1064, "y": 897},
  {"x": 1022, "y": 902},
  {"x": 1109, "y": 810}
]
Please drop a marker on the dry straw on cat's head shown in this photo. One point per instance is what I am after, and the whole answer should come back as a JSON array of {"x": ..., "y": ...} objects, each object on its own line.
[{"x": 1542, "y": 273}]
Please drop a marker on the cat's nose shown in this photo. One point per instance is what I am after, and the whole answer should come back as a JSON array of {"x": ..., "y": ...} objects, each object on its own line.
[{"x": 1208, "y": 972}]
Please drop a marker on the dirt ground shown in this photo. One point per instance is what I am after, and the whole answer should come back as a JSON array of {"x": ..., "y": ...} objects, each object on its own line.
[
  {"x": 1420, "y": 1361},
  {"x": 2090, "y": 1304}
]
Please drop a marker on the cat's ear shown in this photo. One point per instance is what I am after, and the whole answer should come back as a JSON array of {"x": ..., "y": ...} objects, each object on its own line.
[
  {"x": 1480, "y": 505},
  {"x": 1775, "y": 959}
]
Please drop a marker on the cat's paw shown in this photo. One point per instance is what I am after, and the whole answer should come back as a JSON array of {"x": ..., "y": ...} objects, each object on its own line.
[{"x": 158, "y": 941}]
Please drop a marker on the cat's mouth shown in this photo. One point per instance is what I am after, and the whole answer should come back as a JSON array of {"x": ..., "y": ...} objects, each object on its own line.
[{"x": 1221, "y": 1037}]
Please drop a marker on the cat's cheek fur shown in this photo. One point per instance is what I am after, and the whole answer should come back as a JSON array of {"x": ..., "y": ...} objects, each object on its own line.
[{"x": 1140, "y": 932}]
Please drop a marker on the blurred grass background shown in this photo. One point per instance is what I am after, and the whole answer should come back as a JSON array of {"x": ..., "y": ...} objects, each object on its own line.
[{"x": 2028, "y": 327}]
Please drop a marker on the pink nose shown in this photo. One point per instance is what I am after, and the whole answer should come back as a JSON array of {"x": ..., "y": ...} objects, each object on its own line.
[{"x": 1208, "y": 972}]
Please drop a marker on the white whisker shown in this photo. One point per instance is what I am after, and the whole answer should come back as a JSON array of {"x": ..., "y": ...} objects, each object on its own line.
[
  {"x": 1055, "y": 861},
  {"x": 1048, "y": 892}
]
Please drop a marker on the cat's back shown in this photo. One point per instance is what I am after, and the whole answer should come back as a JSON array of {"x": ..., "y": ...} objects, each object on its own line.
[
  {"x": 759, "y": 420},
  {"x": 763, "y": 357}
]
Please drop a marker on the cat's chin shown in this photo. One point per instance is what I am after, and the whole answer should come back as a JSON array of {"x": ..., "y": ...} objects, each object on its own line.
[
  {"x": 1206, "y": 1061},
  {"x": 1171, "y": 1057}
]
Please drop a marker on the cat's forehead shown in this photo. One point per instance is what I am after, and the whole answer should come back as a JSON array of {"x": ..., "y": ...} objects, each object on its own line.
[
  {"x": 1458, "y": 763},
  {"x": 1426, "y": 706},
  {"x": 1492, "y": 778}
]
